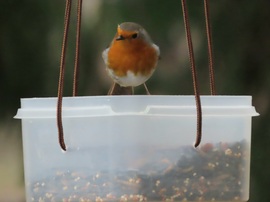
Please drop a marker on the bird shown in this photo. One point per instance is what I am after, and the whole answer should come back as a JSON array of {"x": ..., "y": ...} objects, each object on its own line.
[{"x": 131, "y": 58}]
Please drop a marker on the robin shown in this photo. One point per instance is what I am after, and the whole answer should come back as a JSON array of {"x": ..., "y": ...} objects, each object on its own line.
[{"x": 131, "y": 58}]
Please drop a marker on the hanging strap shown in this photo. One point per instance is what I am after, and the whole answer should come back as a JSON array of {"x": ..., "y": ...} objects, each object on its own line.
[
  {"x": 210, "y": 49},
  {"x": 61, "y": 76},
  {"x": 193, "y": 67},
  {"x": 62, "y": 66},
  {"x": 77, "y": 52},
  {"x": 194, "y": 74}
]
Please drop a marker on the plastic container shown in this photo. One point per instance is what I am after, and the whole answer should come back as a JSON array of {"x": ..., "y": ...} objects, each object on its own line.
[{"x": 137, "y": 148}]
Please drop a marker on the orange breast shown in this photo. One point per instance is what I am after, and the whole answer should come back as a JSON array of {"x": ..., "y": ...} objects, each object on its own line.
[{"x": 134, "y": 55}]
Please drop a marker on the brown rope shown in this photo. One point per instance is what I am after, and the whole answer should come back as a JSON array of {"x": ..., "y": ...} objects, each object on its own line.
[
  {"x": 61, "y": 76},
  {"x": 194, "y": 74},
  {"x": 210, "y": 50},
  {"x": 77, "y": 53}
]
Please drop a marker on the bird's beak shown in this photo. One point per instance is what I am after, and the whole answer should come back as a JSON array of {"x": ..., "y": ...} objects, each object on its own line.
[{"x": 119, "y": 38}]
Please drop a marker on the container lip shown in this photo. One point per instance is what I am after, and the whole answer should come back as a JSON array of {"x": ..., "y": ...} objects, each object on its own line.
[{"x": 136, "y": 105}]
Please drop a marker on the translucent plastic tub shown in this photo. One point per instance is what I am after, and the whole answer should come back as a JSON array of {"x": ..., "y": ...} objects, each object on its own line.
[{"x": 137, "y": 148}]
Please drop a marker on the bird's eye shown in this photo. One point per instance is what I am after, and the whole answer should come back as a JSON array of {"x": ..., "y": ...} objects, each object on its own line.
[{"x": 134, "y": 36}]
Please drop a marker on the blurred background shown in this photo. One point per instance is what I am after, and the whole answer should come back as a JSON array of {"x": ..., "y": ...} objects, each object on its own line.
[{"x": 30, "y": 45}]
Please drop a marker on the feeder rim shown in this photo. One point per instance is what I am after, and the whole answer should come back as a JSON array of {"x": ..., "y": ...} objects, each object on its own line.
[{"x": 138, "y": 105}]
